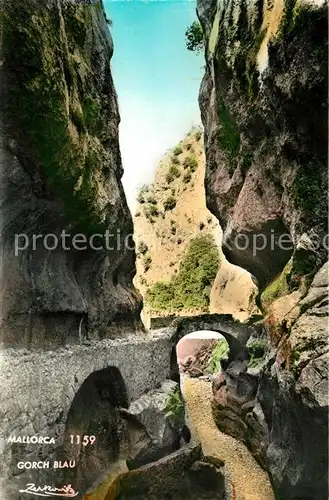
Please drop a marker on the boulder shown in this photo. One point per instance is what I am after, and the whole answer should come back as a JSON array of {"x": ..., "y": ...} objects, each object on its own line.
[
  {"x": 180, "y": 475},
  {"x": 234, "y": 409},
  {"x": 162, "y": 433}
]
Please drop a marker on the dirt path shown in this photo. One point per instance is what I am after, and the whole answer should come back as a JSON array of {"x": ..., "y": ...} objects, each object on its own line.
[{"x": 248, "y": 480}]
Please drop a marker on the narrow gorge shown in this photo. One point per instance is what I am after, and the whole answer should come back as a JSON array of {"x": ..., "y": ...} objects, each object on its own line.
[{"x": 102, "y": 395}]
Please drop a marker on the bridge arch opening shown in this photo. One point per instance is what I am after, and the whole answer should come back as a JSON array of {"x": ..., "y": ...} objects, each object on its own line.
[
  {"x": 202, "y": 352},
  {"x": 235, "y": 333},
  {"x": 95, "y": 433}
]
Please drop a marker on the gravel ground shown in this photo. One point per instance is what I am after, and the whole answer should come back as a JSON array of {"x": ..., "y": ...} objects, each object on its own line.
[{"x": 248, "y": 480}]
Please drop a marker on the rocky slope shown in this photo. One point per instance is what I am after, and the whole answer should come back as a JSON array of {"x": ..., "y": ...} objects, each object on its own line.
[
  {"x": 163, "y": 235},
  {"x": 168, "y": 232},
  {"x": 263, "y": 103},
  {"x": 61, "y": 171}
]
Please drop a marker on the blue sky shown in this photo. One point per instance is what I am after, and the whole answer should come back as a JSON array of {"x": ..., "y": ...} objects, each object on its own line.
[{"x": 157, "y": 80}]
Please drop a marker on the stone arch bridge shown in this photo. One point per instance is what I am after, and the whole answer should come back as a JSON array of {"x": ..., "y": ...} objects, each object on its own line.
[
  {"x": 235, "y": 332},
  {"x": 38, "y": 387}
]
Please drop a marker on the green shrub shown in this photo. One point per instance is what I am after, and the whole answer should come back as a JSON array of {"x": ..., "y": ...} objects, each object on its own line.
[
  {"x": 219, "y": 352},
  {"x": 198, "y": 135},
  {"x": 194, "y": 37},
  {"x": 229, "y": 137},
  {"x": 169, "y": 203},
  {"x": 169, "y": 178},
  {"x": 137, "y": 214},
  {"x": 153, "y": 210},
  {"x": 201, "y": 226},
  {"x": 191, "y": 287},
  {"x": 152, "y": 200},
  {"x": 174, "y": 407},
  {"x": 257, "y": 351},
  {"x": 278, "y": 287},
  {"x": 178, "y": 150},
  {"x": 173, "y": 230},
  {"x": 148, "y": 215},
  {"x": 142, "y": 192},
  {"x": 191, "y": 162},
  {"x": 147, "y": 261},
  {"x": 175, "y": 160},
  {"x": 174, "y": 171},
  {"x": 246, "y": 162},
  {"x": 187, "y": 177},
  {"x": 142, "y": 248},
  {"x": 188, "y": 146}
]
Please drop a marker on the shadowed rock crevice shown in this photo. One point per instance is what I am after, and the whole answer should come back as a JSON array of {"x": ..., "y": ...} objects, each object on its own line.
[{"x": 95, "y": 412}]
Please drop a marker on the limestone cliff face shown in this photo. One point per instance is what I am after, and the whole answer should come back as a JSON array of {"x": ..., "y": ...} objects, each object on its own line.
[
  {"x": 264, "y": 108},
  {"x": 263, "y": 103},
  {"x": 61, "y": 171}
]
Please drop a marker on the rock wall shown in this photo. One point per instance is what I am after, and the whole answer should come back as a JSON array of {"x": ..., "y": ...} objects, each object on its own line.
[
  {"x": 264, "y": 107},
  {"x": 263, "y": 103},
  {"x": 279, "y": 406},
  {"x": 293, "y": 394},
  {"x": 61, "y": 171}
]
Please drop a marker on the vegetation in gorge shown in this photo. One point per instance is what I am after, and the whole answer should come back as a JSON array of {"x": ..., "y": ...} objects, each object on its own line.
[
  {"x": 229, "y": 137},
  {"x": 175, "y": 409},
  {"x": 191, "y": 163},
  {"x": 187, "y": 177},
  {"x": 191, "y": 287},
  {"x": 277, "y": 288},
  {"x": 174, "y": 171},
  {"x": 147, "y": 261},
  {"x": 168, "y": 235},
  {"x": 219, "y": 353},
  {"x": 177, "y": 150},
  {"x": 194, "y": 37},
  {"x": 142, "y": 248},
  {"x": 257, "y": 351},
  {"x": 151, "y": 210},
  {"x": 141, "y": 197},
  {"x": 169, "y": 203}
]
